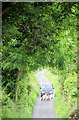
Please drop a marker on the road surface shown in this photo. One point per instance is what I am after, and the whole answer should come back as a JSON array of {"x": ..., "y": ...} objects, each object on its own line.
[{"x": 43, "y": 109}]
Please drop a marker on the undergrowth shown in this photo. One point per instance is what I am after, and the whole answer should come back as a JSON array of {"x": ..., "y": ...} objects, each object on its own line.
[
  {"x": 28, "y": 91},
  {"x": 66, "y": 100}
]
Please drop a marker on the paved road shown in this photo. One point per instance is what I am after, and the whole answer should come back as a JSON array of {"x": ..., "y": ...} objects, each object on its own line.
[{"x": 43, "y": 109}]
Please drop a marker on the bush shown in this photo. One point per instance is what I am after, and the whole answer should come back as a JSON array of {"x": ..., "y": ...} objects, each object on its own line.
[
  {"x": 64, "y": 103},
  {"x": 22, "y": 108}
]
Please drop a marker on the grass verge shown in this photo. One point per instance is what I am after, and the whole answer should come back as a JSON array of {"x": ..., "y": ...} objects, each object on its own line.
[
  {"x": 28, "y": 91},
  {"x": 63, "y": 106}
]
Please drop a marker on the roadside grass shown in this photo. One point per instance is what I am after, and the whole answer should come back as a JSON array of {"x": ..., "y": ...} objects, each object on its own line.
[
  {"x": 27, "y": 96},
  {"x": 63, "y": 106}
]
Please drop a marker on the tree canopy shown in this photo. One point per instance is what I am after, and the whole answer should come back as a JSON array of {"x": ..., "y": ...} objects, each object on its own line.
[{"x": 35, "y": 35}]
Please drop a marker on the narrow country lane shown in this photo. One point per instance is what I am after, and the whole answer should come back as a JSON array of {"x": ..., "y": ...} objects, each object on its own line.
[{"x": 43, "y": 109}]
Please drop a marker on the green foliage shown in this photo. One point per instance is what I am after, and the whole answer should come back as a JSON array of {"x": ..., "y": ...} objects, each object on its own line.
[
  {"x": 25, "y": 103},
  {"x": 67, "y": 101},
  {"x": 37, "y": 35}
]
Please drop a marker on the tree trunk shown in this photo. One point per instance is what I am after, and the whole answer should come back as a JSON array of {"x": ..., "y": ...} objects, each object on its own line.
[{"x": 19, "y": 77}]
